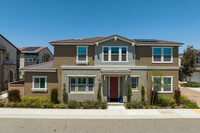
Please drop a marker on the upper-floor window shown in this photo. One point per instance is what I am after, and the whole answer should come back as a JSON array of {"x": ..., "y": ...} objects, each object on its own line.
[
  {"x": 115, "y": 54},
  {"x": 162, "y": 55},
  {"x": 7, "y": 56},
  {"x": 82, "y": 54},
  {"x": 31, "y": 58}
]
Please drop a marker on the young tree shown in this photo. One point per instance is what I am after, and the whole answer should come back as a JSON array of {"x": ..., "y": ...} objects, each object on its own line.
[
  {"x": 157, "y": 83},
  {"x": 188, "y": 61},
  {"x": 65, "y": 96},
  {"x": 129, "y": 93}
]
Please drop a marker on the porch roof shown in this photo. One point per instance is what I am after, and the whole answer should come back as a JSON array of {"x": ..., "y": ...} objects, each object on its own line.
[{"x": 115, "y": 71}]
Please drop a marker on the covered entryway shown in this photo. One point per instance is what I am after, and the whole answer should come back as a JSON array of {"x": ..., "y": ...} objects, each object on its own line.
[
  {"x": 10, "y": 76},
  {"x": 114, "y": 89}
]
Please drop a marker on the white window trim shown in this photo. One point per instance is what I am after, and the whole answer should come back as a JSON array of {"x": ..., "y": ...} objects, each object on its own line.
[
  {"x": 82, "y": 62},
  {"x": 120, "y": 53},
  {"x": 137, "y": 78},
  {"x": 162, "y": 55},
  {"x": 39, "y": 89},
  {"x": 162, "y": 82},
  {"x": 76, "y": 85}
]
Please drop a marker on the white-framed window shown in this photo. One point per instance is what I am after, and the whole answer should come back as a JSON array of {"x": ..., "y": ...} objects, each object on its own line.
[
  {"x": 163, "y": 84},
  {"x": 162, "y": 55},
  {"x": 134, "y": 83},
  {"x": 39, "y": 83},
  {"x": 81, "y": 84},
  {"x": 114, "y": 54},
  {"x": 82, "y": 54}
]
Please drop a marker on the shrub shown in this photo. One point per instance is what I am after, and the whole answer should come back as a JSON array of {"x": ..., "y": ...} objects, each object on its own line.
[
  {"x": 99, "y": 94},
  {"x": 104, "y": 105},
  {"x": 14, "y": 96},
  {"x": 47, "y": 105},
  {"x": 178, "y": 96},
  {"x": 34, "y": 102},
  {"x": 60, "y": 106},
  {"x": 142, "y": 93},
  {"x": 190, "y": 84},
  {"x": 73, "y": 104},
  {"x": 128, "y": 105},
  {"x": 54, "y": 96},
  {"x": 1, "y": 104},
  {"x": 166, "y": 101},
  {"x": 11, "y": 104},
  {"x": 129, "y": 93},
  {"x": 188, "y": 103},
  {"x": 65, "y": 96},
  {"x": 137, "y": 105}
]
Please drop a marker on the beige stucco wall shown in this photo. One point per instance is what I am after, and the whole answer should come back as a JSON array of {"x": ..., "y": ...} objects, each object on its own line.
[
  {"x": 144, "y": 57},
  {"x": 66, "y": 55},
  {"x": 81, "y": 96},
  {"x": 174, "y": 73},
  {"x": 52, "y": 82}
]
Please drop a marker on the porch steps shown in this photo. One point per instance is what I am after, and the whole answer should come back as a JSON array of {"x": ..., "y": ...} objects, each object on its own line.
[{"x": 115, "y": 105}]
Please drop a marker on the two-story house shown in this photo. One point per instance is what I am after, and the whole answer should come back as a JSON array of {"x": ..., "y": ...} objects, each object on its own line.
[
  {"x": 34, "y": 55},
  {"x": 9, "y": 62},
  {"x": 112, "y": 62}
]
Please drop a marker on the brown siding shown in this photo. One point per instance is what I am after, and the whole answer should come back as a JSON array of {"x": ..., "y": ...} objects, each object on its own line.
[
  {"x": 66, "y": 55},
  {"x": 144, "y": 57},
  {"x": 52, "y": 82},
  {"x": 174, "y": 73}
]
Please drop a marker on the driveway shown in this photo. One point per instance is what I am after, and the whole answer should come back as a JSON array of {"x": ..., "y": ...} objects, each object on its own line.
[{"x": 191, "y": 93}]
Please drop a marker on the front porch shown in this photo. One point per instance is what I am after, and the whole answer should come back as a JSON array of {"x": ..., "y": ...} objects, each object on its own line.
[{"x": 114, "y": 84}]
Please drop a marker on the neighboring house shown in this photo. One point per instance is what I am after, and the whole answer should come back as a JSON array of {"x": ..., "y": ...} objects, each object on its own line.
[
  {"x": 9, "y": 62},
  {"x": 34, "y": 55},
  {"x": 111, "y": 62},
  {"x": 196, "y": 75}
]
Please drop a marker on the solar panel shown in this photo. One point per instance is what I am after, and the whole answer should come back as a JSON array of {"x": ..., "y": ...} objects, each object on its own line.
[
  {"x": 145, "y": 40},
  {"x": 30, "y": 48}
]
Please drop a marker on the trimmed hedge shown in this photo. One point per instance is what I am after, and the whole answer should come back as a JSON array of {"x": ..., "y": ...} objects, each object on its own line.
[
  {"x": 14, "y": 96},
  {"x": 190, "y": 84},
  {"x": 54, "y": 96}
]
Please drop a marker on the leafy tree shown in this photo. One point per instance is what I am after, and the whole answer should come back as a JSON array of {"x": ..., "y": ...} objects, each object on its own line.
[
  {"x": 157, "y": 82},
  {"x": 188, "y": 61}
]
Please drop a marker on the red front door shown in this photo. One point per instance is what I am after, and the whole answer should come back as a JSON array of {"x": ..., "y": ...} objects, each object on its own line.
[{"x": 113, "y": 87}]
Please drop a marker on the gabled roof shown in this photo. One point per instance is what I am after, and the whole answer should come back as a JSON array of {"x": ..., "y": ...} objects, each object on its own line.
[
  {"x": 8, "y": 41},
  {"x": 31, "y": 51},
  {"x": 96, "y": 40},
  {"x": 46, "y": 66}
]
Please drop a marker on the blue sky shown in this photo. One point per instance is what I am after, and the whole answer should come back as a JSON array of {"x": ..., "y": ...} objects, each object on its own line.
[{"x": 36, "y": 22}]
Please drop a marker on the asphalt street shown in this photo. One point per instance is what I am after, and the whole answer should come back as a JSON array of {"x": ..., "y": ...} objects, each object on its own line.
[{"x": 9, "y": 125}]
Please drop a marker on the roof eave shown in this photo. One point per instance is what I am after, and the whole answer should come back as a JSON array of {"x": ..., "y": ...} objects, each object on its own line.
[{"x": 159, "y": 44}]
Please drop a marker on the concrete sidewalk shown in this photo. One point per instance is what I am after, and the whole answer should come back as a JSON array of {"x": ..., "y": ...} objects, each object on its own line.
[{"x": 110, "y": 113}]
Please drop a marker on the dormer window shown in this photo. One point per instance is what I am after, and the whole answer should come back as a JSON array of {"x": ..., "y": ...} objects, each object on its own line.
[
  {"x": 114, "y": 54},
  {"x": 162, "y": 55},
  {"x": 82, "y": 55}
]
